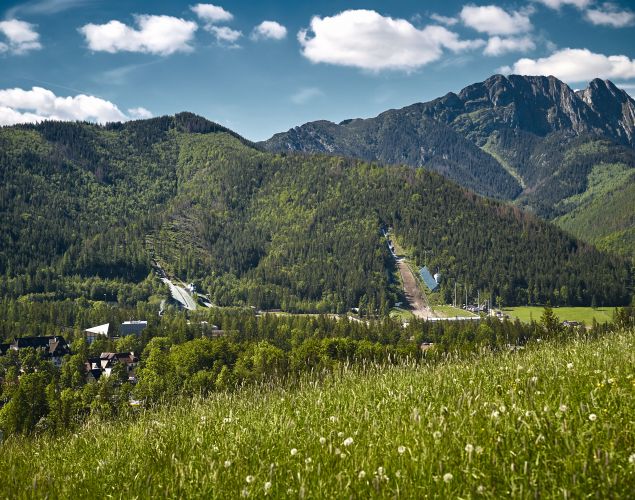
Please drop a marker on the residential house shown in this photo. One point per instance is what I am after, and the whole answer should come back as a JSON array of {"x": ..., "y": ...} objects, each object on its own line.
[{"x": 53, "y": 347}]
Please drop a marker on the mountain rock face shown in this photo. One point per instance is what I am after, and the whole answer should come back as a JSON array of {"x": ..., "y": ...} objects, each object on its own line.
[{"x": 529, "y": 139}]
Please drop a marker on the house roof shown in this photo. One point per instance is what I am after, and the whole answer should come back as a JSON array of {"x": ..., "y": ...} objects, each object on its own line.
[
  {"x": 99, "y": 330},
  {"x": 54, "y": 345}
]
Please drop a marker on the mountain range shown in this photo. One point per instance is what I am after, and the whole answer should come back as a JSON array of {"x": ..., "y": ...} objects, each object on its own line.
[
  {"x": 84, "y": 209},
  {"x": 566, "y": 155}
]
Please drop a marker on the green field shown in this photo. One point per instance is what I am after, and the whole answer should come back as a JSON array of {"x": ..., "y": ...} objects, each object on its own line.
[
  {"x": 586, "y": 314},
  {"x": 451, "y": 312},
  {"x": 403, "y": 314},
  {"x": 549, "y": 422}
]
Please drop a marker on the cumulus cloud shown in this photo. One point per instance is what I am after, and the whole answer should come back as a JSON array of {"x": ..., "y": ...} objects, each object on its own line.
[
  {"x": 575, "y": 65},
  {"x": 367, "y": 40},
  {"x": 163, "y": 35},
  {"x": 493, "y": 20},
  {"x": 305, "y": 95},
  {"x": 21, "y": 37},
  {"x": 269, "y": 30},
  {"x": 38, "y": 104},
  {"x": 211, "y": 14},
  {"x": 225, "y": 34},
  {"x": 609, "y": 14},
  {"x": 448, "y": 21},
  {"x": 141, "y": 113},
  {"x": 556, "y": 4},
  {"x": 497, "y": 46}
]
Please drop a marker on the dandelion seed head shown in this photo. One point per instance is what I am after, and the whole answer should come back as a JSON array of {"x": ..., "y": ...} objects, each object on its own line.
[
  {"x": 563, "y": 408},
  {"x": 631, "y": 459},
  {"x": 495, "y": 414},
  {"x": 268, "y": 485},
  {"x": 308, "y": 460},
  {"x": 361, "y": 474},
  {"x": 469, "y": 448},
  {"x": 569, "y": 366},
  {"x": 348, "y": 441},
  {"x": 250, "y": 479},
  {"x": 593, "y": 417},
  {"x": 436, "y": 435},
  {"x": 447, "y": 477},
  {"x": 481, "y": 489},
  {"x": 294, "y": 451},
  {"x": 227, "y": 464},
  {"x": 322, "y": 440}
]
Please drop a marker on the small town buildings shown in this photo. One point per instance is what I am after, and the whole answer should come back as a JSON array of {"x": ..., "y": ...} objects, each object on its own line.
[
  {"x": 132, "y": 328},
  {"x": 54, "y": 347},
  {"x": 104, "y": 365},
  {"x": 101, "y": 331}
]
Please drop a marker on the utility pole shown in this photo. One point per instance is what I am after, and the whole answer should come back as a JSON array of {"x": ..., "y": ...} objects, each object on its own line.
[
  {"x": 454, "y": 304},
  {"x": 465, "y": 295}
]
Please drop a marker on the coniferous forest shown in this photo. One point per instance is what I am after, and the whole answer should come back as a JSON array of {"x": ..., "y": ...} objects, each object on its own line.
[{"x": 85, "y": 208}]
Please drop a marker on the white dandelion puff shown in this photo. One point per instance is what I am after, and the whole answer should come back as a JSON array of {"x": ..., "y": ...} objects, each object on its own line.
[
  {"x": 469, "y": 448},
  {"x": 250, "y": 479},
  {"x": 401, "y": 450},
  {"x": 348, "y": 441},
  {"x": 268, "y": 485},
  {"x": 361, "y": 474},
  {"x": 447, "y": 477},
  {"x": 631, "y": 459},
  {"x": 593, "y": 417},
  {"x": 436, "y": 435},
  {"x": 563, "y": 408},
  {"x": 569, "y": 366},
  {"x": 322, "y": 440},
  {"x": 294, "y": 451},
  {"x": 227, "y": 464}
]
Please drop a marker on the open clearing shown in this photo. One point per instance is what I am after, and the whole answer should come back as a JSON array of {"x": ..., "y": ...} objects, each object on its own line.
[
  {"x": 534, "y": 424},
  {"x": 586, "y": 314}
]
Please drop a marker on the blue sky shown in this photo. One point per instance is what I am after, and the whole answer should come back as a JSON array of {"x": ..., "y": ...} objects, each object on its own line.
[{"x": 104, "y": 60}]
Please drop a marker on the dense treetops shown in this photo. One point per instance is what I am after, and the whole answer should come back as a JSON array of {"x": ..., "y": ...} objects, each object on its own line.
[{"x": 300, "y": 233}]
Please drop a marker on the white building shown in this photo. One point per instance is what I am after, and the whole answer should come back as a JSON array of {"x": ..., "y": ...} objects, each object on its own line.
[{"x": 96, "y": 332}]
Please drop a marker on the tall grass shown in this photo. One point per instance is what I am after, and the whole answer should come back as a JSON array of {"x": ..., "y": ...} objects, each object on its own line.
[{"x": 550, "y": 421}]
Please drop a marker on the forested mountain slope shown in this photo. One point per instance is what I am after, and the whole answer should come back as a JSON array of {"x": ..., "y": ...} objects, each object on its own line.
[
  {"x": 250, "y": 227},
  {"x": 529, "y": 139}
]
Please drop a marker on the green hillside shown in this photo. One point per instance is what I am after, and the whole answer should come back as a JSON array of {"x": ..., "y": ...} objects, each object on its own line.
[
  {"x": 547, "y": 420},
  {"x": 529, "y": 139},
  {"x": 605, "y": 212},
  {"x": 82, "y": 202}
]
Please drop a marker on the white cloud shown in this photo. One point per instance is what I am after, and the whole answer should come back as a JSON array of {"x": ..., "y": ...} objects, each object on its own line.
[
  {"x": 161, "y": 35},
  {"x": 225, "y": 34},
  {"x": 211, "y": 14},
  {"x": 21, "y": 37},
  {"x": 269, "y": 30},
  {"x": 610, "y": 14},
  {"x": 38, "y": 104},
  {"x": 45, "y": 7},
  {"x": 365, "y": 39},
  {"x": 493, "y": 20},
  {"x": 556, "y": 4},
  {"x": 575, "y": 65},
  {"x": 448, "y": 21},
  {"x": 140, "y": 113},
  {"x": 305, "y": 95},
  {"x": 497, "y": 46}
]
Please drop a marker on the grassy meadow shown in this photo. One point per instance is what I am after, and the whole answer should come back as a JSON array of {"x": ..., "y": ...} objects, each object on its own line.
[
  {"x": 549, "y": 421},
  {"x": 586, "y": 314}
]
